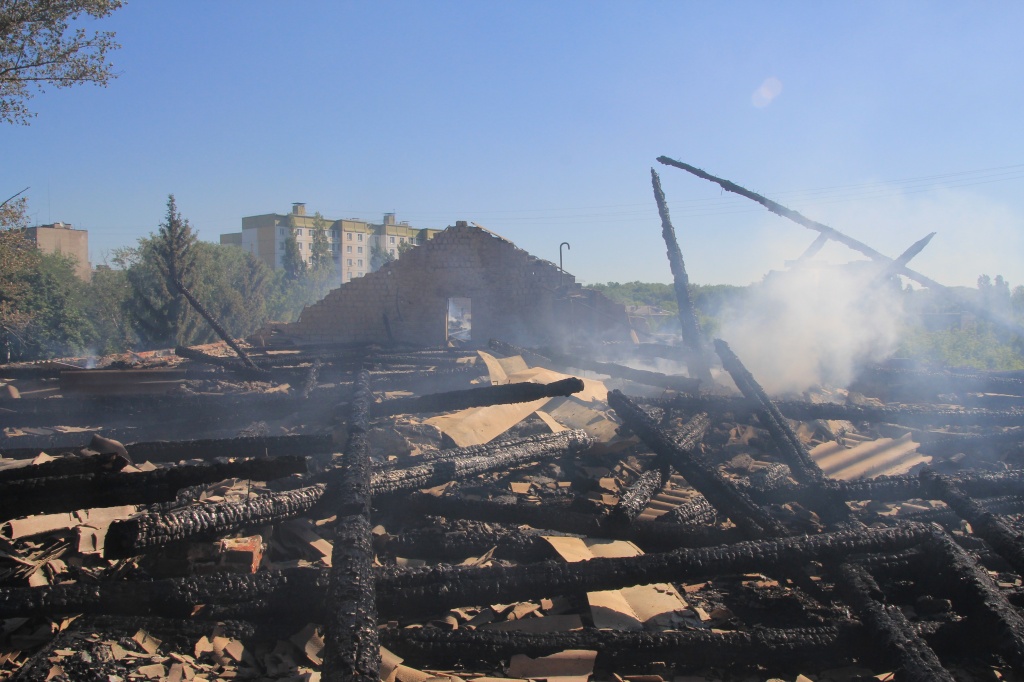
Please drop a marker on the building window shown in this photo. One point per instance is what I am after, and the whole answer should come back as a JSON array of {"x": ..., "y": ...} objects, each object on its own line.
[
  {"x": 298, "y": 232},
  {"x": 334, "y": 233},
  {"x": 392, "y": 252},
  {"x": 401, "y": 240},
  {"x": 392, "y": 240},
  {"x": 350, "y": 236},
  {"x": 348, "y": 249},
  {"x": 360, "y": 236},
  {"x": 350, "y": 275},
  {"x": 360, "y": 262},
  {"x": 359, "y": 249},
  {"x": 283, "y": 231},
  {"x": 350, "y": 262},
  {"x": 299, "y": 244}
]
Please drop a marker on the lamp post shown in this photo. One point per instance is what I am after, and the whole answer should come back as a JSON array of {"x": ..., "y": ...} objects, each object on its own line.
[{"x": 561, "y": 270}]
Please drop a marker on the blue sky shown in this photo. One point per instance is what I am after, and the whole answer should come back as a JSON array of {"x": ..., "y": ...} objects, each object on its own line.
[{"x": 541, "y": 120}]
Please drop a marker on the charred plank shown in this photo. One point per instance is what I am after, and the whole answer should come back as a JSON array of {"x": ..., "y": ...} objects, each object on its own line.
[
  {"x": 143, "y": 532},
  {"x": 477, "y": 397}
]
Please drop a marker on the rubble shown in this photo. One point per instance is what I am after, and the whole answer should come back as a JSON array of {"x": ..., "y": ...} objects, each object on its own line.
[{"x": 399, "y": 513}]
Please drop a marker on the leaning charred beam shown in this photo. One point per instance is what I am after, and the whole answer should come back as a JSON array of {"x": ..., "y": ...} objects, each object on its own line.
[
  {"x": 71, "y": 465},
  {"x": 143, "y": 532},
  {"x": 754, "y": 521},
  {"x": 351, "y": 649},
  {"x": 990, "y": 527},
  {"x": 952, "y": 571},
  {"x": 838, "y": 236},
  {"x": 799, "y": 460},
  {"x": 692, "y": 336},
  {"x": 911, "y": 415},
  {"x": 423, "y": 591},
  {"x": 241, "y": 370},
  {"x": 890, "y": 629},
  {"x": 477, "y": 397},
  {"x": 649, "y": 535},
  {"x": 214, "y": 324},
  {"x": 686, "y": 650},
  {"x": 535, "y": 449},
  {"x": 68, "y": 493}
]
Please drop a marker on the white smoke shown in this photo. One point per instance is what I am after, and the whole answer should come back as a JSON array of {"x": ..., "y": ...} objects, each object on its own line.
[{"x": 814, "y": 325}]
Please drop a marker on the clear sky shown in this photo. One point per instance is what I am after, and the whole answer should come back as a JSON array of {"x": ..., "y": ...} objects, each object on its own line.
[{"x": 541, "y": 120}]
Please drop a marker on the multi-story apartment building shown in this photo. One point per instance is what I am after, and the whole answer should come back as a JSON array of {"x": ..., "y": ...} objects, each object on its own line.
[
  {"x": 63, "y": 239},
  {"x": 352, "y": 242}
]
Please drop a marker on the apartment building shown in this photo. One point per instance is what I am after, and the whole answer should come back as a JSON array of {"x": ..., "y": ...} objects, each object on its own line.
[
  {"x": 351, "y": 241},
  {"x": 62, "y": 238}
]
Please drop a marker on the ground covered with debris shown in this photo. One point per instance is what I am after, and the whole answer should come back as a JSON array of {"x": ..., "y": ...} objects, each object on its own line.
[{"x": 361, "y": 512}]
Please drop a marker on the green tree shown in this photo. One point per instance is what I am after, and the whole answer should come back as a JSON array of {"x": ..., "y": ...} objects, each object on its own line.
[
  {"x": 160, "y": 314},
  {"x": 292, "y": 262},
  {"x": 321, "y": 259},
  {"x": 106, "y": 305},
  {"x": 379, "y": 257},
  {"x": 38, "y": 48}
]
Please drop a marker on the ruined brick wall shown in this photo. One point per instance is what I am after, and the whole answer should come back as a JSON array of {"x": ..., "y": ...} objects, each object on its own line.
[{"x": 515, "y": 297}]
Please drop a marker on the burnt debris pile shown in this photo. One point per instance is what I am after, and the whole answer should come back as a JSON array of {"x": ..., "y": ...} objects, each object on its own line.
[
  {"x": 501, "y": 516},
  {"x": 365, "y": 512}
]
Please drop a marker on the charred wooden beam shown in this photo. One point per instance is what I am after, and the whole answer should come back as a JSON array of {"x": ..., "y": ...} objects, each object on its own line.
[
  {"x": 688, "y": 650},
  {"x": 994, "y": 530},
  {"x": 477, "y": 397},
  {"x": 692, "y": 336},
  {"x": 145, "y": 408},
  {"x": 175, "y": 451},
  {"x": 793, "y": 451},
  {"x": 143, "y": 532},
  {"x": 913, "y": 383},
  {"x": 459, "y": 539},
  {"x": 260, "y": 593},
  {"x": 85, "y": 491},
  {"x": 913, "y": 415},
  {"x": 890, "y": 628},
  {"x": 533, "y": 449},
  {"x": 633, "y": 501},
  {"x": 72, "y": 465},
  {"x": 897, "y": 488},
  {"x": 242, "y": 371},
  {"x": 429, "y": 590},
  {"x": 649, "y": 535},
  {"x": 637, "y": 496},
  {"x": 214, "y": 324},
  {"x": 548, "y": 357},
  {"x": 696, "y": 512},
  {"x": 995, "y": 622},
  {"x": 754, "y": 521},
  {"x": 351, "y": 649},
  {"x": 838, "y": 236}
]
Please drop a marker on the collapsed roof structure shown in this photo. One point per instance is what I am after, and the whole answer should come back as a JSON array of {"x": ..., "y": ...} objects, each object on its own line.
[{"x": 402, "y": 488}]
